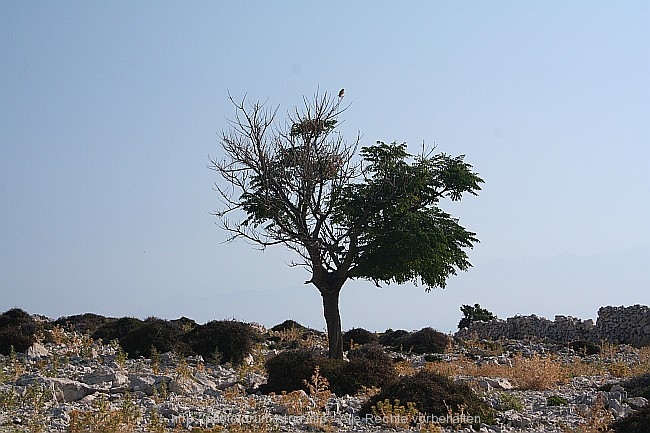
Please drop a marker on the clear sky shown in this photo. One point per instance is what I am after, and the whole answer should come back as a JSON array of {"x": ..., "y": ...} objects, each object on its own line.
[{"x": 109, "y": 110}]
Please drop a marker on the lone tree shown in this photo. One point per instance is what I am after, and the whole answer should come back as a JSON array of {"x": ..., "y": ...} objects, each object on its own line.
[
  {"x": 301, "y": 185},
  {"x": 474, "y": 314}
]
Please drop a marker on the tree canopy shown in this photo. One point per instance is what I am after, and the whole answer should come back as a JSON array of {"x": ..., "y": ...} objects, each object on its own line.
[{"x": 372, "y": 214}]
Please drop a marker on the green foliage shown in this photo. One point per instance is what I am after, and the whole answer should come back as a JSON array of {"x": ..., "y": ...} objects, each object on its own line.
[
  {"x": 358, "y": 336},
  {"x": 556, "y": 400},
  {"x": 433, "y": 394},
  {"x": 379, "y": 219},
  {"x": 231, "y": 339},
  {"x": 17, "y": 330},
  {"x": 474, "y": 314},
  {"x": 403, "y": 235},
  {"x": 510, "y": 402}
]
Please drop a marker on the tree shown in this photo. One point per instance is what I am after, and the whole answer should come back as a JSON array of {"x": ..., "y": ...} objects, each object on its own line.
[
  {"x": 301, "y": 185},
  {"x": 474, "y": 314}
]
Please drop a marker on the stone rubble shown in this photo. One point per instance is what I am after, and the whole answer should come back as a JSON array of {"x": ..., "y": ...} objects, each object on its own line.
[{"x": 211, "y": 394}]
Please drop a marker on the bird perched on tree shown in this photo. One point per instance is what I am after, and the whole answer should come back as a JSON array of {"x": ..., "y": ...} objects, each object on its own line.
[{"x": 341, "y": 93}]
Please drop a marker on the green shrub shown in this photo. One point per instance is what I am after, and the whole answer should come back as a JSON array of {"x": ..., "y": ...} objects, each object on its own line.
[
  {"x": 510, "y": 402},
  {"x": 223, "y": 340},
  {"x": 86, "y": 323},
  {"x": 116, "y": 329},
  {"x": 156, "y": 333},
  {"x": 434, "y": 395},
  {"x": 358, "y": 336},
  {"x": 17, "y": 330},
  {"x": 183, "y": 324},
  {"x": 393, "y": 339},
  {"x": 474, "y": 314},
  {"x": 556, "y": 400},
  {"x": 288, "y": 370},
  {"x": 291, "y": 335},
  {"x": 426, "y": 340},
  {"x": 369, "y": 366},
  {"x": 287, "y": 325}
]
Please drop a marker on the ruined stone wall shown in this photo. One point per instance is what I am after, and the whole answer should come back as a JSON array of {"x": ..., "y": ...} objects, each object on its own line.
[{"x": 628, "y": 325}]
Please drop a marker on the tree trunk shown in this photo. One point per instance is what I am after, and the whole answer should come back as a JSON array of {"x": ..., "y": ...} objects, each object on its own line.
[{"x": 333, "y": 321}]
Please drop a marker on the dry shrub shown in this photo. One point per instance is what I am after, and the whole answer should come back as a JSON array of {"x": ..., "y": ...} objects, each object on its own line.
[
  {"x": 103, "y": 418},
  {"x": 404, "y": 368},
  {"x": 394, "y": 415},
  {"x": 318, "y": 388},
  {"x": 537, "y": 372},
  {"x": 643, "y": 365},
  {"x": 443, "y": 368},
  {"x": 534, "y": 373},
  {"x": 296, "y": 402}
]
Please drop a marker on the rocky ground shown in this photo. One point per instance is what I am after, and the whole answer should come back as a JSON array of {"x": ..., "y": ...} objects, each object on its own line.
[{"x": 78, "y": 385}]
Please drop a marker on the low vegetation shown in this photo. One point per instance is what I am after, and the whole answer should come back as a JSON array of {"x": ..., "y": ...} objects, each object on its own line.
[
  {"x": 358, "y": 336},
  {"x": 435, "y": 395},
  {"x": 222, "y": 341},
  {"x": 380, "y": 368},
  {"x": 17, "y": 331},
  {"x": 157, "y": 335}
]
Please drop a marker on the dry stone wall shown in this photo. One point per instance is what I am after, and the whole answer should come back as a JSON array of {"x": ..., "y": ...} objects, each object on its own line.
[{"x": 619, "y": 325}]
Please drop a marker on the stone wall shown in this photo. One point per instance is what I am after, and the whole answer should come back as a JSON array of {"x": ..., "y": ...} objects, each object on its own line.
[{"x": 627, "y": 325}]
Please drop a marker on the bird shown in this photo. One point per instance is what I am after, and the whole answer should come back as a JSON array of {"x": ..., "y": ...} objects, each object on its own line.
[{"x": 341, "y": 93}]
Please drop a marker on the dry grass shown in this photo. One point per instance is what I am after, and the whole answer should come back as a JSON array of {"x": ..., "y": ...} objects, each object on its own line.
[
  {"x": 534, "y": 373},
  {"x": 404, "y": 368},
  {"x": 395, "y": 415},
  {"x": 546, "y": 372}
]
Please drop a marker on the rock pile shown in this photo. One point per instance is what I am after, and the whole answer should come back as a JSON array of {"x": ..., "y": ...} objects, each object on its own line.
[
  {"x": 621, "y": 325},
  {"x": 617, "y": 325}
]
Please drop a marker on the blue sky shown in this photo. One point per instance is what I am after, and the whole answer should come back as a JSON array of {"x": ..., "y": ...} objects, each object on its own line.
[{"x": 109, "y": 110}]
